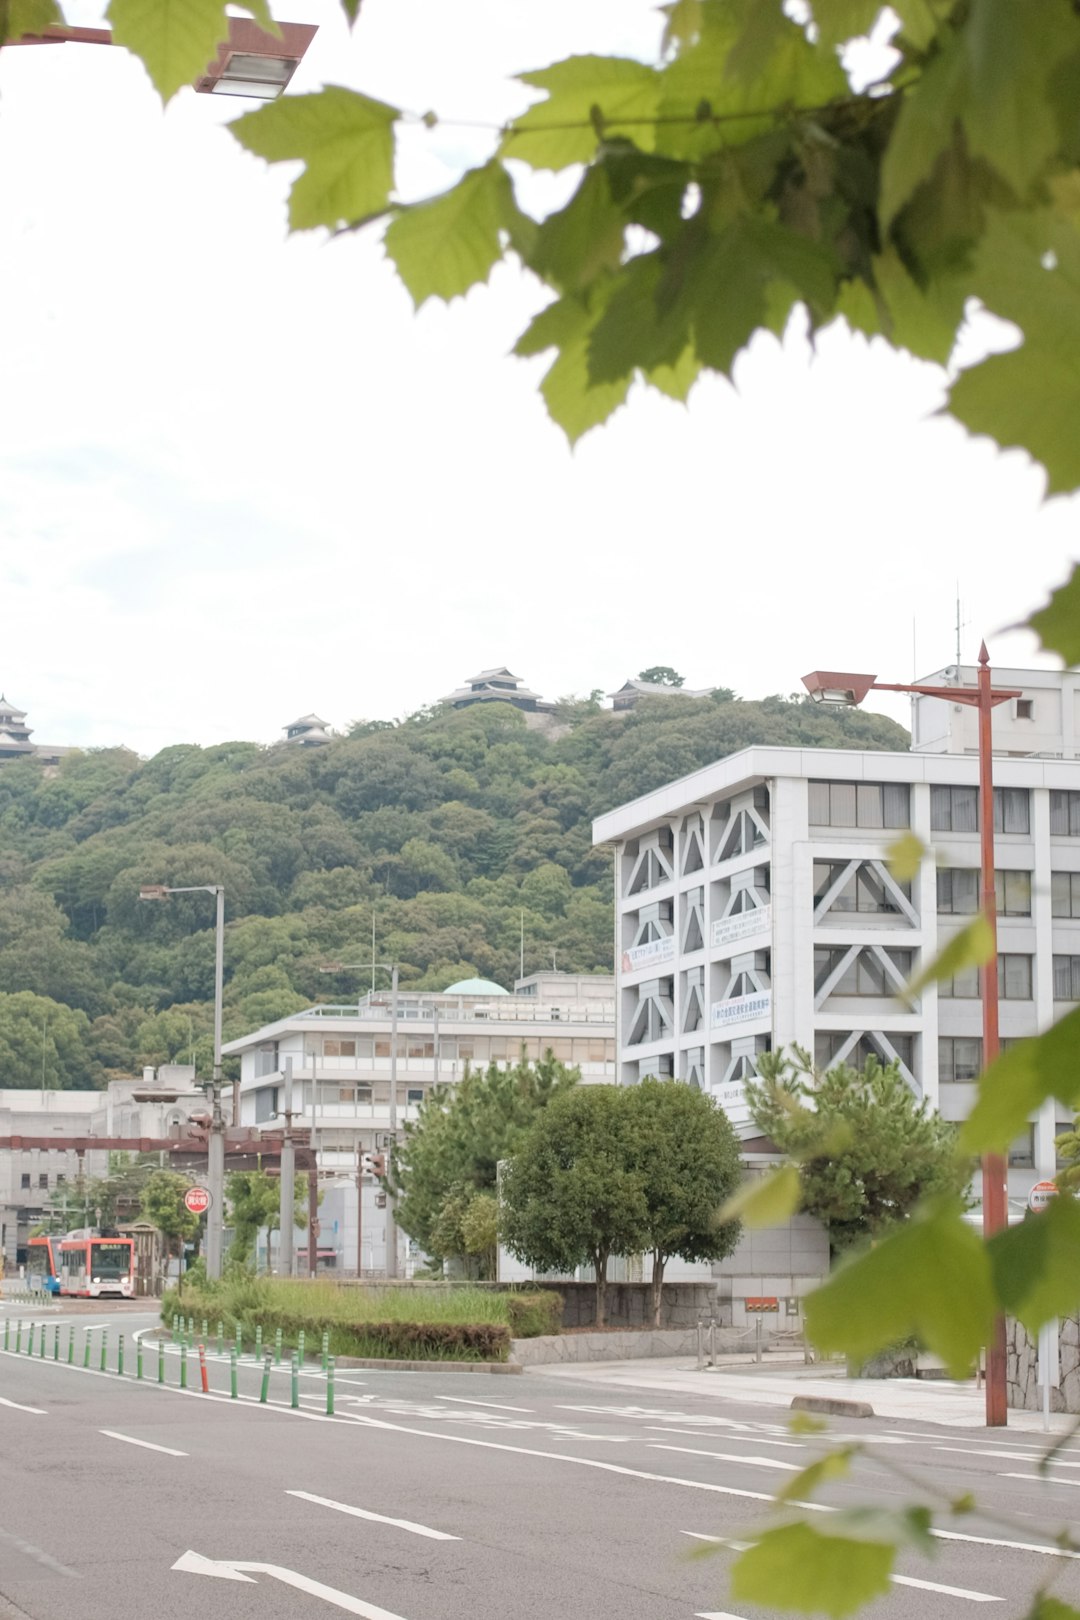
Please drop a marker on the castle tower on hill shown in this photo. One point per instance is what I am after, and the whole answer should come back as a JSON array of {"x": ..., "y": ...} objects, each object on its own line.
[{"x": 15, "y": 737}]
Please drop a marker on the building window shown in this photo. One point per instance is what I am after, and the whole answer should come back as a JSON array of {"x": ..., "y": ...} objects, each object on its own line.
[
  {"x": 829, "y": 1042},
  {"x": 415, "y": 1094},
  {"x": 339, "y": 1048},
  {"x": 865, "y": 974},
  {"x": 266, "y": 1103},
  {"x": 1022, "y": 1151},
  {"x": 1065, "y": 813},
  {"x": 43, "y": 1181},
  {"x": 24, "y": 1181},
  {"x": 864, "y": 890},
  {"x": 1065, "y": 894},
  {"x": 1067, "y": 978},
  {"x": 1025, "y": 708},
  {"x": 959, "y": 1058},
  {"x": 956, "y": 809},
  {"x": 958, "y": 891},
  {"x": 266, "y": 1060},
  {"x": 1014, "y": 980},
  {"x": 859, "y": 804},
  {"x": 1064, "y": 1127}
]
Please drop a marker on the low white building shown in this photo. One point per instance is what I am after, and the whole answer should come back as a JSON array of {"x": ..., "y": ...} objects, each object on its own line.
[
  {"x": 340, "y": 1063},
  {"x": 35, "y": 1181},
  {"x": 755, "y": 908}
]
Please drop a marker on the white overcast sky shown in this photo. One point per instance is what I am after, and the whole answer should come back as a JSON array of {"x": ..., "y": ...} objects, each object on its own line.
[{"x": 240, "y": 479}]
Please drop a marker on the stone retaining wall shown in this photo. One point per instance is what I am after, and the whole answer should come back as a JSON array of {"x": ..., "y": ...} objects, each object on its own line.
[
  {"x": 570, "y": 1347},
  {"x": 630, "y": 1304},
  {"x": 1024, "y": 1373}
]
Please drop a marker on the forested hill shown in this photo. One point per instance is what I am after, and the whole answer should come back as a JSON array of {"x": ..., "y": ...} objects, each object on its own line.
[{"x": 446, "y": 825}]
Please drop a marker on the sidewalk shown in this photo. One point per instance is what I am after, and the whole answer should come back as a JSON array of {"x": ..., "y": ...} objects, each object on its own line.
[{"x": 914, "y": 1400}]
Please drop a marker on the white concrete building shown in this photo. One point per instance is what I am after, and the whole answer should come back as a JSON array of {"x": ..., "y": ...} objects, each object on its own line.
[
  {"x": 340, "y": 1060},
  {"x": 755, "y": 909},
  {"x": 34, "y": 1181}
]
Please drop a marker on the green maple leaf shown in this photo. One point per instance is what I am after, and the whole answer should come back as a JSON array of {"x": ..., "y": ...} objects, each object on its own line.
[
  {"x": 1036, "y": 1264},
  {"x": 576, "y": 243},
  {"x": 1057, "y": 625},
  {"x": 19, "y": 17},
  {"x": 346, "y": 141},
  {"x": 798, "y": 1566},
  {"x": 929, "y": 1279},
  {"x": 351, "y": 8},
  {"x": 176, "y": 39},
  {"x": 1018, "y": 84},
  {"x": 1018, "y": 1082},
  {"x": 1028, "y": 271},
  {"x": 574, "y": 402},
  {"x": 585, "y": 94},
  {"x": 445, "y": 246},
  {"x": 971, "y": 947},
  {"x": 634, "y": 331},
  {"x": 766, "y": 1200},
  {"x": 921, "y": 319}
]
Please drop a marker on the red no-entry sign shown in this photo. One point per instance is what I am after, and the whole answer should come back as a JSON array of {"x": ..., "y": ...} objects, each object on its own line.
[{"x": 197, "y": 1199}]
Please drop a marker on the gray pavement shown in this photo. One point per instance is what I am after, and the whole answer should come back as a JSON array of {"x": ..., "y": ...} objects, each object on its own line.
[{"x": 459, "y": 1496}]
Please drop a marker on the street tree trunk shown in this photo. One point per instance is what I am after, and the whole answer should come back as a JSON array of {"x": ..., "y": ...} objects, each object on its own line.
[
  {"x": 659, "y": 1261},
  {"x": 600, "y": 1261}
]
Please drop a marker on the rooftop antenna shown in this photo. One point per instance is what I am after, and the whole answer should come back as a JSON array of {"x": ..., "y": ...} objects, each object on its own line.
[{"x": 961, "y": 624}]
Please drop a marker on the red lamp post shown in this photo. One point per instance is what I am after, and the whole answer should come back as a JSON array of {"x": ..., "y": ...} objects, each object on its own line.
[{"x": 828, "y": 686}]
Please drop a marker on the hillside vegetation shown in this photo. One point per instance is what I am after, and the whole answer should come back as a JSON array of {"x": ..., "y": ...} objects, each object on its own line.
[{"x": 447, "y": 826}]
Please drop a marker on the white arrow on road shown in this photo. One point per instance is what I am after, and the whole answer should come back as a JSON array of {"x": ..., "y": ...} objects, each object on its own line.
[{"x": 228, "y": 1569}]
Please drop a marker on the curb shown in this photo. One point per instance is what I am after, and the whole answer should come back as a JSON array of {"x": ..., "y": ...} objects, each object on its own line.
[
  {"x": 434, "y": 1365},
  {"x": 834, "y": 1405}
]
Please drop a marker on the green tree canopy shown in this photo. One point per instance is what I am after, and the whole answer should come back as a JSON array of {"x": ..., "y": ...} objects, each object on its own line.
[
  {"x": 687, "y": 1157},
  {"x": 868, "y": 1152},
  {"x": 453, "y": 1149},
  {"x": 574, "y": 1194},
  {"x": 661, "y": 675},
  {"x": 163, "y": 1205},
  {"x": 254, "y": 1202}
]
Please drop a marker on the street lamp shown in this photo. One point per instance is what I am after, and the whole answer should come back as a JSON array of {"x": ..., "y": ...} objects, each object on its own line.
[
  {"x": 250, "y": 62},
  {"x": 392, "y": 969},
  {"x": 215, "y": 1155},
  {"x": 828, "y": 686}
]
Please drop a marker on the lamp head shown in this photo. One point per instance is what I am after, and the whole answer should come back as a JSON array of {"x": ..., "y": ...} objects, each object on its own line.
[
  {"x": 832, "y": 686},
  {"x": 154, "y": 891}
]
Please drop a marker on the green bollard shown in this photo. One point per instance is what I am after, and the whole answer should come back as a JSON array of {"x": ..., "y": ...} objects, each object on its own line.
[
  {"x": 175, "y": 1325},
  {"x": 232, "y": 1375},
  {"x": 221, "y": 1338},
  {"x": 277, "y": 1347},
  {"x": 300, "y": 1346},
  {"x": 71, "y": 1344},
  {"x": 325, "y": 1350},
  {"x": 56, "y": 1342},
  {"x": 191, "y": 1330},
  {"x": 138, "y": 1358},
  {"x": 18, "y": 1335},
  {"x": 30, "y": 1340},
  {"x": 86, "y": 1348},
  {"x": 264, "y": 1391},
  {"x": 104, "y": 1350},
  {"x": 41, "y": 1351},
  {"x": 330, "y": 1387},
  {"x": 239, "y": 1342},
  {"x": 183, "y": 1366},
  {"x": 295, "y": 1402},
  {"x": 161, "y": 1361},
  {"x": 120, "y": 1356},
  {"x": 258, "y": 1342},
  {"x": 205, "y": 1332},
  {"x": 7, "y": 1332}
]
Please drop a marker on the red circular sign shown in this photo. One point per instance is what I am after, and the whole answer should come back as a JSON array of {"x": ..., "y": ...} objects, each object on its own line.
[
  {"x": 1041, "y": 1194},
  {"x": 197, "y": 1199}
]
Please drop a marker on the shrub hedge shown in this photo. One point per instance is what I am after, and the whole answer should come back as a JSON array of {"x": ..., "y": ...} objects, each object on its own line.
[{"x": 534, "y": 1314}]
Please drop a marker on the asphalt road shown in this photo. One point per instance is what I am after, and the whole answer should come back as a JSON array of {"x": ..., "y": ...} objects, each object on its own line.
[{"x": 454, "y": 1496}]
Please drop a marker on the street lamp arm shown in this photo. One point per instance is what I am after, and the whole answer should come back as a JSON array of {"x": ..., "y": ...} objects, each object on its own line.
[{"x": 949, "y": 694}]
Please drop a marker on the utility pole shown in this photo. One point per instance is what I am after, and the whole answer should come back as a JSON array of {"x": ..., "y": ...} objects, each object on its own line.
[
  {"x": 288, "y": 1183},
  {"x": 391, "y": 1223}
]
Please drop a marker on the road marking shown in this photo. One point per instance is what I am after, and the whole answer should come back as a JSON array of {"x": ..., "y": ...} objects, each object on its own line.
[
  {"x": 702, "y": 1434},
  {"x": 1042, "y": 1479},
  {"x": 462, "y": 1401},
  {"x": 727, "y": 1456},
  {"x": 380, "y": 1518},
  {"x": 1008, "y": 1456},
  {"x": 193, "y": 1563},
  {"x": 717, "y": 1614},
  {"x": 1014, "y": 1546},
  {"x": 39, "y": 1411},
  {"x": 27, "y": 1548},
  {"x": 148, "y": 1445},
  {"x": 947, "y": 1591}
]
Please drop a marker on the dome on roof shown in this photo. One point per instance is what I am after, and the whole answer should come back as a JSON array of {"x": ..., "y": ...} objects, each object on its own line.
[{"x": 475, "y": 987}]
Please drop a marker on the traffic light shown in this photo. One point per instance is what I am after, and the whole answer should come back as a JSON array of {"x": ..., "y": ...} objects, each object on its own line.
[{"x": 373, "y": 1164}]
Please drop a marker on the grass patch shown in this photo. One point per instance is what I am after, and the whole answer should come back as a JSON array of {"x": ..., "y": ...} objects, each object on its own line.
[{"x": 458, "y": 1323}]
